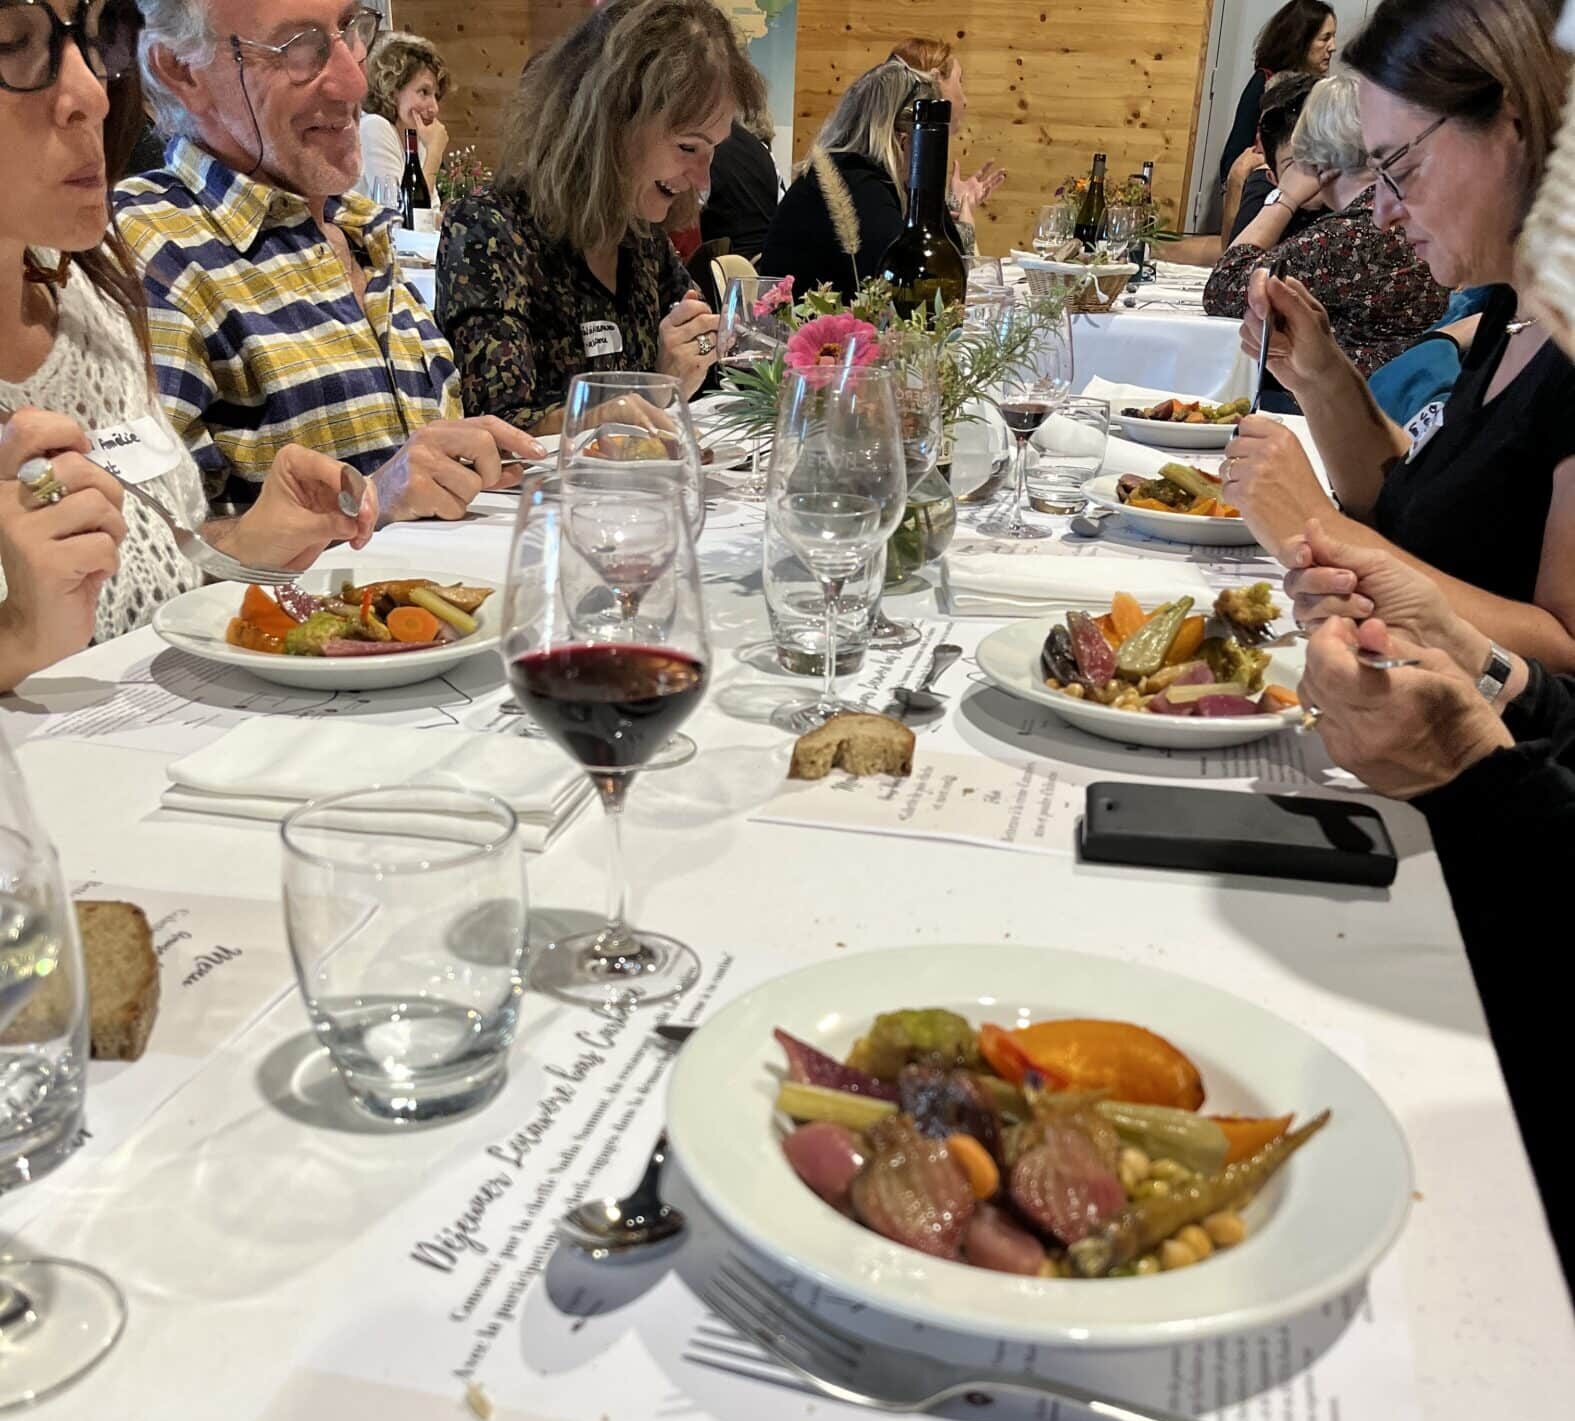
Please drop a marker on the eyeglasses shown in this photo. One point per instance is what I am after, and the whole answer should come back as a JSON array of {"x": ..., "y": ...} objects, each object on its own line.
[
  {"x": 1383, "y": 170},
  {"x": 33, "y": 40},
  {"x": 304, "y": 56}
]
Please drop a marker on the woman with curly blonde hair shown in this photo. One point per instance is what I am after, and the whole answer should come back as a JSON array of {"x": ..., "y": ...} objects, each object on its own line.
[{"x": 406, "y": 80}]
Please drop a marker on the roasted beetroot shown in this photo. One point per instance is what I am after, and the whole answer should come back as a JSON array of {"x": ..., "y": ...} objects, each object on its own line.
[
  {"x": 812, "y": 1067},
  {"x": 912, "y": 1191},
  {"x": 826, "y": 1157},
  {"x": 1214, "y": 707},
  {"x": 1063, "y": 1187},
  {"x": 1096, "y": 658},
  {"x": 946, "y": 1103},
  {"x": 995, "y": 1240}
]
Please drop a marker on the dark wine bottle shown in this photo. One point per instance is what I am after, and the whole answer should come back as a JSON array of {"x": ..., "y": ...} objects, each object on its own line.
[
  {"x": 924, "y": 262},
  {"x": 1092, "y": 211},
  {"x": 415, "y": 195},
  {"x": 1148, "y": 175}
]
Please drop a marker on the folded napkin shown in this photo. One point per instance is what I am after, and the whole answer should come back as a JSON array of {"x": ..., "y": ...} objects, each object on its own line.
[
  {"x": 983, "y": 584},
  {"x": 268, "y": 766}
]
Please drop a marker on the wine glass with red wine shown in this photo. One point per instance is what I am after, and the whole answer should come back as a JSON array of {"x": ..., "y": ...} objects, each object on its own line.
[
  {"x": 604, "y": 643},
  {"x": 1035, "y": 387}
]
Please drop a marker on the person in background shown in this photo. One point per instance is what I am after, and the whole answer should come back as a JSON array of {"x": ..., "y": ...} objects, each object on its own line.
[
  {"x": 745, "y": 187},
  {"x": 78, "y": 559},
  {"x": 846, "y": 204},
  {"x": 1298, "y": 36},
  {"x": 563, "y": 266},
  {"x": 278, "y": 313},
  {"x": 406, "y": 83},
  {"x": 965, "y": 196},
  {"x": 1459, "y": 103},
  {"x": 1378, "y": 294},
  {"x": 1283, "y": 101},
  {"x": 1426, "y": 372}
]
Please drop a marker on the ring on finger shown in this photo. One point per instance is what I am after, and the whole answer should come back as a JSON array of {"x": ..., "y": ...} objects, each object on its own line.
[
  {"x": 37, "y": 477},
  {"x": 706, "y": 342},
  {"x": 1311, "y": 716}
]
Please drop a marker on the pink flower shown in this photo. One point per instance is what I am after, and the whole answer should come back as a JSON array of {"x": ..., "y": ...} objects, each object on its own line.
[
  {"x": 825, "y": 341},
  {"x": 777, "y": 297}
]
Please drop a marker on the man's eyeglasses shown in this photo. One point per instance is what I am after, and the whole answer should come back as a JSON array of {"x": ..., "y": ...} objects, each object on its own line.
[
  {"x": 1384, "y": 171},
  {"x": 33, "y": 41},
  {"x": 304, "y": 56}
]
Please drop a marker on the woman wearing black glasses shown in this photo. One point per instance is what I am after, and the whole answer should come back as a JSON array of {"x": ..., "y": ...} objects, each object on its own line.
[
  {"x": 1459, "y": 103},
  {"x": 76, "y": 394}
]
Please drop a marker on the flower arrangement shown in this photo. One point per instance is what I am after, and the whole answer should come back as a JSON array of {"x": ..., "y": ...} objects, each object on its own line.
[{"x": 461, "y": 174}]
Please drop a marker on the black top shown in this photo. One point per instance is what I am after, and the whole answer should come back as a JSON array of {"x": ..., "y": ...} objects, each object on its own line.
[
  {"x": 745, "y": 190},
  {"x": 524, "y": 312},
  {"x": 1472, "y": 500},
  {"x": 1505, "y": 834},
  {"x": 803, "y": 243},
  {"x": 1260, "y": 183},
  {"x": 1244, "y": 128}
]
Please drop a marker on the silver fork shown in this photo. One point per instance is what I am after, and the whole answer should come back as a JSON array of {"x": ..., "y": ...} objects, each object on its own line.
[
  {"x": 216, "y": 564},
  {"x": 847, "y": 1368}
]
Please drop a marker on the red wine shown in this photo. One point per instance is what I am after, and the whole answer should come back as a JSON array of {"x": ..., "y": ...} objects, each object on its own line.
[
  {"x": 414, "y": 194},
  {"x": 1023, "y": 417},
  {"x": 611, "y": 707}
]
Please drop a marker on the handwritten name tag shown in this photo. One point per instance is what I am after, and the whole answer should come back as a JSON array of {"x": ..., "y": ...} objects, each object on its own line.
[
  {"x": 137, "y": 452},
  {"x": 601, "y": 338},
  {"x": 1423, "y": 425}
]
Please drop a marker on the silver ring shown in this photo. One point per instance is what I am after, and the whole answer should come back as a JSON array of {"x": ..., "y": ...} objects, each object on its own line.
[
  {"x": 706, "y": 342},
  {"x": 1310, "y": 717},
  {"x": 37, "y": 477}
]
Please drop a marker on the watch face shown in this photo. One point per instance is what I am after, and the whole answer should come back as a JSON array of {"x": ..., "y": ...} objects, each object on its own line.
[{"x": 1272, "y": 198}]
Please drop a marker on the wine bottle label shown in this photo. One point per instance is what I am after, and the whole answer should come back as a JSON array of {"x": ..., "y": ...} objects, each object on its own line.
[{"x": 601, "y": 338}]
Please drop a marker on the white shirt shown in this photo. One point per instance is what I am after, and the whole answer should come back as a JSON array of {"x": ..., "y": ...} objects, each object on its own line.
[{"x": 383, "y": 153}]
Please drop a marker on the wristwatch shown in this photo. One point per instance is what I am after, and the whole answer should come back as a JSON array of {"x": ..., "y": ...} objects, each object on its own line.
[
  {"x": 1495, "y": 674},
  {"x": 1278, "y": 198}
]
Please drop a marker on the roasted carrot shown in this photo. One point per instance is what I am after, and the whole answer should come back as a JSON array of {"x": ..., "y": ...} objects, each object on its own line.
[
  {"x": 984, "y": 1178},
  {"x": 1126, "y": 614},
  {"x": 1003, "y": 1055},
  {"x": 413, "y": 624},
  {"x": 1281, "y": 697},
  {"x": 1129, "y": 1061},
  {"x": 258, "y": 608},
  {"x": 1187, "y": 642},
  {"x": 250, "y": 637},
  {"x": 1108, "y": 627},
  {"x": 1247, "y": 1135}
]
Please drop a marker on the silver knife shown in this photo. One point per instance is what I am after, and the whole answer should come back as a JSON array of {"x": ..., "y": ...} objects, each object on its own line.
[{"x": 1276, "y": 273}]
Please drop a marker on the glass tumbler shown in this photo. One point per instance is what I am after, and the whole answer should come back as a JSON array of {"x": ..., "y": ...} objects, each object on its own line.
[{"x": 1071, "y": 448}]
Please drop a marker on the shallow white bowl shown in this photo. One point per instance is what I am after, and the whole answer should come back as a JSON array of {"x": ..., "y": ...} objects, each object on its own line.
[
  {"x": 1174, "y": 527},
  {"x": 1169, "y": 435},
  {"x": 1321, "y": 1225}
]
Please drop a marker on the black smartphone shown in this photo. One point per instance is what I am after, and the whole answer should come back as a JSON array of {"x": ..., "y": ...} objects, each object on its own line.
[{"x": 1224, "y": 831}]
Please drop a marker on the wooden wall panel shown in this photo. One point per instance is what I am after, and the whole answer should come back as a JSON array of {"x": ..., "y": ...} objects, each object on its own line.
[{"x": 1049, "y": 82}]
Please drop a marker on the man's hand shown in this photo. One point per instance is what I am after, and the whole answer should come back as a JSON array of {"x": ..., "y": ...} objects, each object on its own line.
[{"x": 443, "y": 466}]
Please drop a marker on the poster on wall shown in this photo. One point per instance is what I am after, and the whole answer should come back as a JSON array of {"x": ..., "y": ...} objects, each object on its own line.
[{"x": 770, "y": 29}]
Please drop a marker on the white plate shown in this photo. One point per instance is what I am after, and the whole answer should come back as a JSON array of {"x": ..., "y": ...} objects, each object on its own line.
[
  {"x": 1317, "y": 1229},
  {"x": 1010, "y": 658},
  {"x": 1169, "y": 435},
  {"x": 195, "y": 622},
  {"x": 1174, "y": 527}
]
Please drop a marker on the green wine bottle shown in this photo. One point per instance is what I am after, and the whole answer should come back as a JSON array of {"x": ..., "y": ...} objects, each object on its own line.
[
  {"x": 1092, "y": 211},
  {"x": 924, "y": 261}
]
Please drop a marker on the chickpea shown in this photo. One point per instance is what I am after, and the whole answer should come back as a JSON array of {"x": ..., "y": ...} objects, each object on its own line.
[
  {"x": 1173, "y": 1254},
  {"x": 1075, "y": 690},
  {"x": 1150, "y": 1189},
  {"x": 1170, "y": 1171},
  {"x": 1226, "y": 1229},
  {"x": 1131, "y": 1167},
  {"x": 1197, "y": 1240},
  {"x": 1146, "y": 1266},
  {"x": 1052, "y": 683},
  {"x": 1051, "y": 1268}
]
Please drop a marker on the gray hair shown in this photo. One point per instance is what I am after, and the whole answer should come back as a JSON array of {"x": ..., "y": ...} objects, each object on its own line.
[
  {"x": 180, "y": 26},
  {"x": 1329, "y": 132},
  {"x": 873, "y": 111}
]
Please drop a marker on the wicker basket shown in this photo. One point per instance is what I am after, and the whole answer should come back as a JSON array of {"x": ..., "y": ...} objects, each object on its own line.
[{"x": 1097, "y": 287}]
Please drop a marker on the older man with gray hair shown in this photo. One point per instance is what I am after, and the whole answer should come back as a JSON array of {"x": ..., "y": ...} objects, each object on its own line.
[{"x": 277, "y": 307}]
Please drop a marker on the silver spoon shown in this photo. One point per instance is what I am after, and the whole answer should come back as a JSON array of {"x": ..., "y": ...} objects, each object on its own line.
[
  {"x": 352, "y": 486},
  {"x": 1087, "y": 525},
  {"x": 607, "y": 1226},
  {"x": 921, "y": 697}
]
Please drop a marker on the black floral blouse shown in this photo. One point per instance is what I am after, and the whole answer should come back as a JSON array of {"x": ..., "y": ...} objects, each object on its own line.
[
  {"x": 525, "y": 314},
  {"x": 1379, "y": 296}
]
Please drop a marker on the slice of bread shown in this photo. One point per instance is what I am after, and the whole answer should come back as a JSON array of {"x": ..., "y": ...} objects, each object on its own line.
[
  {"x": 123, "y": 978},
  {"x": 860, "y": 744}
]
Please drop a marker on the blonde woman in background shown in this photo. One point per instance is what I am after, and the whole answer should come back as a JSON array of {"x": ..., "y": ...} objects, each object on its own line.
[{"x": 406, "y": 82}]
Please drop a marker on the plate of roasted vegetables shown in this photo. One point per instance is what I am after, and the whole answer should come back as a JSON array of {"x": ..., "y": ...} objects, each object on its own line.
[
  {"x": 1173, "y": 674},
  {"x": 1181, "y": 503},
  {"x": 1024, "y": 1143},
  {"x": 351, "y": 629},
  {"x": 1183, "y": 424}
]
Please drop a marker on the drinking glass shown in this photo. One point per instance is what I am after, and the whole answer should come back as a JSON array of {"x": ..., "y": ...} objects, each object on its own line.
[
  {"x": 1056, "y": 221},
  {"x": 795, "y": 606},
  {"x": 57, "y": 1318},
  {"x": 1072, "y": 444},
  {"x": 406, "y": 913},
  {"x": 609, "y": 689},
  {"x": 1036, "y": 385},
  {"x": 1116, "y": 231},
  {"x": 385, "y": 193},
  {"x": 984, "y": 273},
  {"x": 837, "y": 489}
]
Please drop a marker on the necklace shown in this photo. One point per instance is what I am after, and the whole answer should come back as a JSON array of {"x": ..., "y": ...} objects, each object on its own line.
[{"x": 1514, "y": 328}]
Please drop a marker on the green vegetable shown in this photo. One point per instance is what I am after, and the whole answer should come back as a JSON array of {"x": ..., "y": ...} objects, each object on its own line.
[
  {"x": 1180, "y": 695},
  {"x": 1144, "y": 652},
  {"x": 1194, "y": 481},
  {"x": 462, "y": 622},
  {"x": 838, "y": 1107},
  {"x": 931, "y": 1037},
  {"x": 1164, "y": 1133},
  {"x": 1229, "y": 660},
  {"x": 317, "y": 630}
]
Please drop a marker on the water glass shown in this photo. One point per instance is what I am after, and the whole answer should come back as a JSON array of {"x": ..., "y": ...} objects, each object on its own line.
[
  {"x": 1071, "y": 445},
  {"x": 406, "y": 913},
  {"x": 984, "y": 273},
  {"x": 1056, "y": 221},
  {"x": 796, "y": 605},
  {"x": 1118, "y": 229}
]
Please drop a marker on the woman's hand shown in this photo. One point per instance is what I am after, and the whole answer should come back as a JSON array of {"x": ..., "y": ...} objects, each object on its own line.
[
  {"x": 1302, "y": 349},
  {"x": 57, "y": 557},
  {"x": 1268, "y": 476},
  {"x": 434, "y": 140},
  {"x": 972, "y": 193},
  {"x": 689, "y": 326},
  {"x": 1402, "y": 732},
  {"x": 297, "y": 514},
  {"x": 1299, "y": 184}
]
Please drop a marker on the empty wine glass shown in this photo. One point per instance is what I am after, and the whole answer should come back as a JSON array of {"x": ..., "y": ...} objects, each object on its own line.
[
  {"x": 837, "y": 489},
  {"x": 385, "y": 193},
  {"x": 1036, "y": 385},
  {"x": 57, "y": 1318},
  {"x": 1056, "y": 220},
  {"x": 754, "y": 331},
  {"x": 1116, "y": 231},
  {"x": 609, "y": 689}
]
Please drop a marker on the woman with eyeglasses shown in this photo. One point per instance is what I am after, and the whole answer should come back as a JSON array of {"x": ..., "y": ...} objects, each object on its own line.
[
  {"x": 77, "y": 558},
  {"x": 1459, "y": 103}
]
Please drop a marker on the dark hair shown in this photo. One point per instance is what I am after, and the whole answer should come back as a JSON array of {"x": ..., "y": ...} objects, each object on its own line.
[
  {"x": 1284, "y": 41},
  {"x": 1282, "y": 106},
  {"x": 1465, "y": 59}
]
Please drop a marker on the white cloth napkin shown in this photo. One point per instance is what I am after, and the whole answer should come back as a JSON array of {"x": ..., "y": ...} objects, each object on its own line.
[
  {"x": 269, "y": 766},
  {"x": 984, "y": 584}
]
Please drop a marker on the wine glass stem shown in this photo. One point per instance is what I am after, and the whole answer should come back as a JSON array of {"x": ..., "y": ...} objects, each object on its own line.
[
  {"x": 1020, "y": 497},
  {"x": 828, "y": 691},
  {"x": 613, "y": 943}
]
